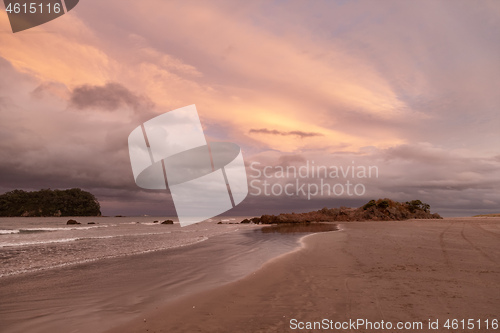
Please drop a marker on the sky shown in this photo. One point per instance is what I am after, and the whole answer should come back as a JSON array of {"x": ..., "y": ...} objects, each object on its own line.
[{"x": 408, "y": 88}]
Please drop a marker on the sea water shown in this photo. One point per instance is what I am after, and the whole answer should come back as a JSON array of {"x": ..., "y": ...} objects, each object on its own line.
[{"x": 40, "y": 243}]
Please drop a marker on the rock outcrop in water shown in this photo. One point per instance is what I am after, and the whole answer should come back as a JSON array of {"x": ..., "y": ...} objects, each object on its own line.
[
  {"x": 374, "y": 210},
  {"x": 73, "y": 202}
]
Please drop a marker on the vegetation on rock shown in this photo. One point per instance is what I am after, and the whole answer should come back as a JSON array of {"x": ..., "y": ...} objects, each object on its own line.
[
  {"x": 47, "y": 202},
  {"x": 374, "y": 210}
]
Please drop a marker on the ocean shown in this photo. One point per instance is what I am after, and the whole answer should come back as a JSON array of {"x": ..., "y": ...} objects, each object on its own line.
[
  {"x": 40, "y": 243},
  {"x": 91, "y": 277}
]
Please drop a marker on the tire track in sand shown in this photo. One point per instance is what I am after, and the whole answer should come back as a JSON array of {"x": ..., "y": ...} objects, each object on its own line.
[
  {"x": 489, "y": 232},
  {"x": 475, "y": 247},
  {"x": 442, "y": 244}
]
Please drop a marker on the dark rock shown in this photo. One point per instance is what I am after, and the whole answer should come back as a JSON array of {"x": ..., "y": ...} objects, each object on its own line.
[
  {"x": 155, "y": 221},
  {"x": 91, "y": 223},
  {"x": 255, "y": 220},
  {"x": 168, "y": 222},
  {"x": 245, "y": 221},
  {"x": 72, "y": 222},
  {"x": 374, "y": 210},
  {"x": 269, "y": 219}
]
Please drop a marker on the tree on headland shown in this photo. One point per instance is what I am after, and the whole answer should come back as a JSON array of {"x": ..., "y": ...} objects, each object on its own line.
[
  {"x": 415, "y": 205},
  {"x": 47, "y": 202}
]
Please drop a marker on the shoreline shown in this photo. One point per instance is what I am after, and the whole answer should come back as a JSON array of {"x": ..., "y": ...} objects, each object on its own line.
[
  {"x": 406, "y": 271},
  {"x": 94, "y": 260},
  {"x": 97, "y": 296},
  {"x": 50, "y": 245}
]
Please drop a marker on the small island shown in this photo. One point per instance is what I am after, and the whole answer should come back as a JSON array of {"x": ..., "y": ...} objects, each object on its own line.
[
  {"x": 374, "y": 210},
  {"x": 47, "y": 202}
]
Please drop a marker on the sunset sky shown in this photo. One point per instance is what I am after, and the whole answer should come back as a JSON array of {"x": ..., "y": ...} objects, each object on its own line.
[{"x": 409, "y": 87}]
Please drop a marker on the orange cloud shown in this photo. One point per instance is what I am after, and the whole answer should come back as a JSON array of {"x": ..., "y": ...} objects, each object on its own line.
[
  {"x": 60, "y": 51},
  {"x": 266, "y": 80}
]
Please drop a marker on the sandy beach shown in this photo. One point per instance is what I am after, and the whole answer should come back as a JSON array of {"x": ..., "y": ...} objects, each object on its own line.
[
  {"x": 98, "y": 295},
  {"x": 417, "y": 271}
]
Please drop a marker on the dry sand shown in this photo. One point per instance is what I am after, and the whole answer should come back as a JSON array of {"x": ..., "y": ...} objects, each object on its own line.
[{"x": 392, "y": 271}]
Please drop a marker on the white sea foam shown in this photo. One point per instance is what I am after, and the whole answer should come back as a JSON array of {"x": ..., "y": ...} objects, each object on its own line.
[
  {"x": 30, "y": 270},
  {"x": 63, "y": 228},
  {"x": 62, "y": 240},
  {"x": 72, "y": 239},
  {"x": 27, "y": 230},
  {"x": 26, "y": 246},
  {"x": 8, "y": 231}
]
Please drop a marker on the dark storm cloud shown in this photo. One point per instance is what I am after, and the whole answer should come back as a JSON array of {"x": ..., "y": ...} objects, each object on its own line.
[
  {"x": 417, "y": 153},
  {"x": 453, "y": 183},
  {"x": 109, "y": 97},
  {"x": 44, "y": 146},
  {"x": 391, "y": 76},
  {"x": 291, "y": 159},
  {"x": 276, "y": 132}
]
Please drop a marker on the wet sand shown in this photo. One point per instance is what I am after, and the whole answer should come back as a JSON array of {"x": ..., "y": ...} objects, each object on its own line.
[
  {"x": 412, "y": 271},
  {"x": 96, "y": 296}
]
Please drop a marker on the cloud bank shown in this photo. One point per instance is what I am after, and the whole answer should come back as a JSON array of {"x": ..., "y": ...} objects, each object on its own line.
[{"x": 409, "y": 87}]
